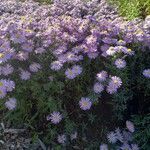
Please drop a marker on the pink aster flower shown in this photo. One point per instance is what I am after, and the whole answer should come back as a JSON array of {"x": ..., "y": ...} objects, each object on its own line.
[
  {"x": 120, "y": 63},
  {"x": 61, "y": 139},
  {"x": 85, "y": 103},
  {"x": 98, "y": 88},
  {"x": 146, "y": 73},
  {"x": 11, "y": 103},
  {"x": 130, "y": 126},
  {"x": 55, "y": 117},
  {"x": 101, "y": 76}
]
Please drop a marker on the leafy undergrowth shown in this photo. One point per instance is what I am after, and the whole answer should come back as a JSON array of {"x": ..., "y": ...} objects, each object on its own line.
[{"x": 132, "y": 8}]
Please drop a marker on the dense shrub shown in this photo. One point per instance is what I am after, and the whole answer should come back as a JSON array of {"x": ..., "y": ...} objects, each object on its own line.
[{"x": 69, "y": 74}]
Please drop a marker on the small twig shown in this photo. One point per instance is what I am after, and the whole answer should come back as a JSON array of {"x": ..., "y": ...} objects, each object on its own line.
[{"x": 14, "y": 131}]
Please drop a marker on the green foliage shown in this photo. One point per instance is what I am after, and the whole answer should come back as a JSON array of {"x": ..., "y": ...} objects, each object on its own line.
[
  {"x": 133, "y": 8},
  {"x": 142, "y": 134}
]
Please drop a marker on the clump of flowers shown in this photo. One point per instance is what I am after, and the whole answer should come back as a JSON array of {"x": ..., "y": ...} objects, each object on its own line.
[
  {"x": 41, "y": 46},
  {"x": 121, "y": 139}
]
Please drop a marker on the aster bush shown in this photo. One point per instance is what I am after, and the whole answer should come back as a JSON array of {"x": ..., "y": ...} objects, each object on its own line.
[{"x": 69, "y": 73}]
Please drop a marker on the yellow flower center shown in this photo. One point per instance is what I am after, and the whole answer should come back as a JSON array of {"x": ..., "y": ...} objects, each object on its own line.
[
  {"x": 1, "y": 84},
  {"x": 85, "y": 104},
  {"x": 70, "y": 72},
  {"x": 1, "y": 55},
  {"x": 129, "y": 50}
]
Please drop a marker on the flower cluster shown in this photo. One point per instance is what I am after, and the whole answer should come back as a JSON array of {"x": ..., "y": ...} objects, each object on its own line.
[
  {"x": 60, "y": 38},
  {"x": 122, "y": 139}
]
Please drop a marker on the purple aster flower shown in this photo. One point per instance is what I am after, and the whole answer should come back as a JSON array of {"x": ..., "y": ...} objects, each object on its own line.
[
  {"x": 91, "y": 40},
  {"x": 77, "y": 69},
  {"x": 130, "y": 126},
  {"x": 146, "y": 73},
  {"x": 4, "y": 57},
  {"x": 55, "y": 117},
  {"x": 27, "y": 47},
  {"x": 85, "y": 103},
  {"x": 18, "y": 37},
  {"x": 101, "y": 76},
  {"x": 116, "y": 81},
  {"x": 103, "y": 147},
  {"x": 71, "y": 57},
  {"x": 112, "y": 138},
  {"x": 22, "y": 56},
  {"x": 108, "y": 40},
  {"x": 60, "y": 50},
  {"x": 7, "y": 70},
  {"x": 135, "y": 147},
  {"x": 111, "y": 51},
  {"x": 10, "y": 85},
  {"x": 25, "y": 75},
  {"x": 125, "y": 50},
  {"x": 56, "y": 65},
  {"x": 3, "y": 91},
  {"x": 11, "y": 103},
  {"x": 127, "y": 136},
  {"x": 120, "y": 63},
  {"x": 111, "y": 89},
  {"x": 121, "y": 43},
  {"x": 1, "y": 70},
  {"x": 92, "y": 55},
  {"x": 51, "y": 78},
  {"x": 73, "y": 136},
  {"x": 113, "y": 85},
  {"x": 34, "y": 67},
  {"x": 61, "y": 139},
  {"x": 119, "y": 135},
  {"x": 40, "y": 50},
  {"x": 125, "y": 146},
  {"x": 98, "y": 88},
  {"x": 70, "y": 74}
]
